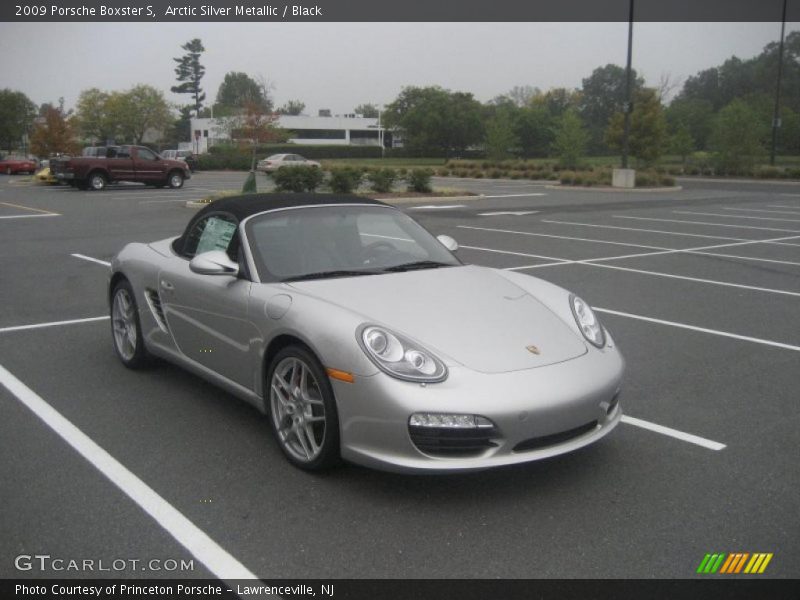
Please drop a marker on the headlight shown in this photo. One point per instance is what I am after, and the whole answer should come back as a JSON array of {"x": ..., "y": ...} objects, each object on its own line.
[
  {"x": 400, "y": 357},
  {"x": 587, "y": 322}
]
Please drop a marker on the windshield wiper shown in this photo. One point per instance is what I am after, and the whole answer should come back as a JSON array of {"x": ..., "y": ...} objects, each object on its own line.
[
  {"x": 328, "y": 274},
  {"x": 419, "y": 264}
]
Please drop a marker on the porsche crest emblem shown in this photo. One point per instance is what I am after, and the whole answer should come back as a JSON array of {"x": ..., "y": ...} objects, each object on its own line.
[{"x": 533, "y": 350}]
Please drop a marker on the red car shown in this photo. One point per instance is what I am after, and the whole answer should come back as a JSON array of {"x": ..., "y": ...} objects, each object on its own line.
[{"x": 12, "y": 165}]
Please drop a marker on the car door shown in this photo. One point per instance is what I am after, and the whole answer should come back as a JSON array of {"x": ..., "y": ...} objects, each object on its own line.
[
  {"x": 207, "y": 314},
  {"x": 119, "y": 163},
  {"x": 148, "y": 166}
]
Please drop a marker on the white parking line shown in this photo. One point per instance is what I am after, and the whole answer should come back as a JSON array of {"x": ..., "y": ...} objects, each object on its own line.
[
  {"x": 51, "y": 324},
  {"x": 705, "y": 223},
  {"x": 559, "y": 260},
  {"x": 187, "y": 534},
  {"x": 436, "y": 206},
  {"x": 726, "y": 334},
  {"x": 560, "y": 237},
  {"x": 686, "y": 437},
  {"x": 698, "y": 250},
  {"x": 514, "y": 213},
  {"x": 90, "y": 259},
  {"x": 677, "y": 233},
  {"x": 761, "y": 210},
  {"x": 28, "y": 216},
  {"x": 783, "y": 205},
  {"x": 694, "y": 279},
  {"x": 516, "y": 195},
  {"x": 705, "y": 214}
]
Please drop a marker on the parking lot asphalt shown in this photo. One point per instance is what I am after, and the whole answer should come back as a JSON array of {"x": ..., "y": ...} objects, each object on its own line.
[{"x": 700, "y": 287}]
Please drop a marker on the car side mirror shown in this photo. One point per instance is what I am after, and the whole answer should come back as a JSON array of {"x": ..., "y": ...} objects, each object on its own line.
[
  {"x": 214, "y": 262},
  {"x": 448, "y": 242}
]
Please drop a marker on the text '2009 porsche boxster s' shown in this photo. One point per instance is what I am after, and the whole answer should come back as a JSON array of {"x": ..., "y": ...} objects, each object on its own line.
[{"x": 364, "y": 337}]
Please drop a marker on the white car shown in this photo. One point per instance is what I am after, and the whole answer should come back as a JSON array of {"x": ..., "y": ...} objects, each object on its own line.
[{"x": 276, "y": 161}]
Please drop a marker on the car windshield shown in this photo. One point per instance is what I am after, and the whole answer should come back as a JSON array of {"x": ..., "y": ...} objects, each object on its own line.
[{"x": 321, "y": 242}]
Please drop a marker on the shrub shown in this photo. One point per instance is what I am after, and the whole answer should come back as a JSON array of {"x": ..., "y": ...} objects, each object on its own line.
[
  {"x": 419, "y": 180},
  {"x": 770, "y": 172},
  {"x": 345, "y": 179},
  {"x": 793, "y": 173},
  {"x": 297, "y": 179},
  {"x": 382, "y": 180},
  {"x": 667, "y": 181}
]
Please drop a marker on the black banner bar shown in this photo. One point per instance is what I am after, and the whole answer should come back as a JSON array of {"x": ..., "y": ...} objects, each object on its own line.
[
  {"x": 392, "y": 10},
  {"x": 711, "y": 588}
]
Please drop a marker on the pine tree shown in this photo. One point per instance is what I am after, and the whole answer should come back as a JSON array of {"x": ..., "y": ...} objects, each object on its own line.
[{"x": 190, "y": 72}]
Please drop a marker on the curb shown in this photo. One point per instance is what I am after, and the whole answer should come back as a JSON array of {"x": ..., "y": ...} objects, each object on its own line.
[
  {"x": 597, "y": 188},
  {"x": 430, "y": 199},
  {"x": 738, "y": 180}
]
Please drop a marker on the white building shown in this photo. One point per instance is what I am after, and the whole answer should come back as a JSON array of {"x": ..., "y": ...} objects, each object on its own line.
[{"x": 345, "y": 130}]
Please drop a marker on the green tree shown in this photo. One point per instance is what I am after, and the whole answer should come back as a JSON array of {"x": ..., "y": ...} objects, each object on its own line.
[
  {"x": 570, "y": 139},
  {"x": 17, "y": 113},
  {"x": 53, "y": 133},
  {"x": 138, "y": 111},
  {"x": 190, "y": 73},
  {"x": 682, "y": 143},
  {"x": 435, "y": 121},
  {"x": 535, "y": 129},
  {"x": 370, "y": 111},
  {"x": 648, "y": 128},
  {"x": 236, "y": 91},
  {"x": 558, "y": 100},
  {"x": 501, "y": 139},
  {"x": 292, "y": 107},
  {"x": 789, "y": 132},
  {"x": 93, "y": 121},
  {"x": 738, "y": 139},
  {"x": 603, "y": 95},
  {"x": 693, "y": 114}
]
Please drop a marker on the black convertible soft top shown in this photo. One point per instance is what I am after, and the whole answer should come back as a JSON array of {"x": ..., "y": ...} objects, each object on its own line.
[
  {"x": 250, "y": 204},
  {"x": 241, "y": 207}
]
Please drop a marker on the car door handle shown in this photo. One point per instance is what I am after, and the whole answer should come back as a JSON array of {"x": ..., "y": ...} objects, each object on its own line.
[{"x": 166, "y": 285}]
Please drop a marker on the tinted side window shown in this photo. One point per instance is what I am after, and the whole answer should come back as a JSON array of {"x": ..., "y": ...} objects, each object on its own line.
[
  {"x": 216, "y": 232},
  {"x": 145, "y": 154}
]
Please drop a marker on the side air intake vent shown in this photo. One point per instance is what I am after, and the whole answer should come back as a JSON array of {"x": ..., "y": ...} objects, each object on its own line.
[{"x": 154, "y": 302}]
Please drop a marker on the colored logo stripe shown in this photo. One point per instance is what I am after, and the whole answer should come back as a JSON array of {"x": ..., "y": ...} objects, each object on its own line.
[
  {"x": 711, "y": 563},
  {"x": 758, "y": 563},
  {"x": 735, "y": 562}
]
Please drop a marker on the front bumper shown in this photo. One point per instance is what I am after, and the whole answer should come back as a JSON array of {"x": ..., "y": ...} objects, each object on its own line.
[
  {"x": 537, "y": 413},
  {"x": 65, "y": 176}
]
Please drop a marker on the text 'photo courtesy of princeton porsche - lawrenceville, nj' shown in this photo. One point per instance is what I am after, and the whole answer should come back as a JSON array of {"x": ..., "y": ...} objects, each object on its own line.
[{"x": 400, "y": 301}]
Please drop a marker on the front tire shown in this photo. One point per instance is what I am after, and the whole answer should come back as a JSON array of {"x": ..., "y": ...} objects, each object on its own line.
[
  {"x": 302, "y": 409},
  {"x": 126, "y": 328},
  {"x": 175, "y": 180}
]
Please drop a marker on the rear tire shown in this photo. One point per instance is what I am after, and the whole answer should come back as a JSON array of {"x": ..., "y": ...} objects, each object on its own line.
[
  {"x": 126, "y": 328},
  {"x": 97, "y": 181}
]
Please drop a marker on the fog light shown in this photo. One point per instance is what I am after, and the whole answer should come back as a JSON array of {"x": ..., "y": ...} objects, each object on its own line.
[{"x": 449, "y": 421}]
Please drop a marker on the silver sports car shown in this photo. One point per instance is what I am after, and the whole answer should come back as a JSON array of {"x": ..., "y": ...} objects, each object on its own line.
[{"x": 364, "y": 338}]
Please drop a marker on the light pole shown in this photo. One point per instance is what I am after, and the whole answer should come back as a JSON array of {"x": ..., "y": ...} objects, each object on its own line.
[
  {"x": 776, "y": 115},
  {"x": 628, "y": 107},
  {"x": 380, "y": 133}
]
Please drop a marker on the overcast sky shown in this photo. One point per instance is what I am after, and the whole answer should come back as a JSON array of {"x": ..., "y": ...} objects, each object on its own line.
[{"x": 341, "y": 65}]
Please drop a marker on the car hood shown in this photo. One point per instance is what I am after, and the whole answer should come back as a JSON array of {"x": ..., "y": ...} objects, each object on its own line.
[{"x": 472, "y": 315}]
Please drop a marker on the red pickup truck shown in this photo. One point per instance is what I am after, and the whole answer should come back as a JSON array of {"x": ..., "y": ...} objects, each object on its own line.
[{"x": 95, "y": 170}]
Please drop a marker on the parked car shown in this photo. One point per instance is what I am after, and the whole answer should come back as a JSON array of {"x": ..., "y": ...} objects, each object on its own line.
[
  {"x": 364, "y": 337},
  {"x": 12, "y": 165},
  {"x": 276, "y": 161},
  {"x": 120, "y": 163},
  {"x": 186, "y": 156}
]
